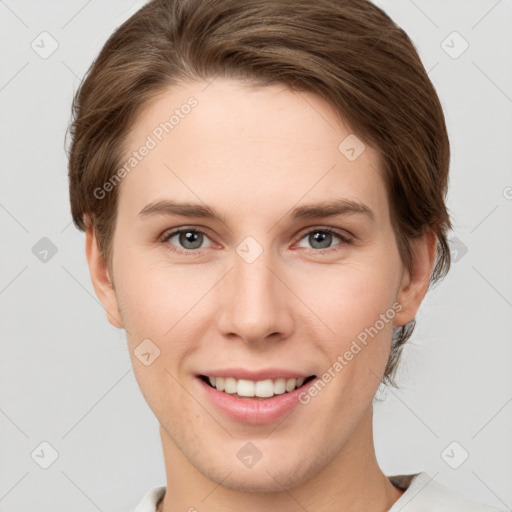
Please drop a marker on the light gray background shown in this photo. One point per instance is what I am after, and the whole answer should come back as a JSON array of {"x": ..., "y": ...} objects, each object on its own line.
[{"x": 66, "y": 376}]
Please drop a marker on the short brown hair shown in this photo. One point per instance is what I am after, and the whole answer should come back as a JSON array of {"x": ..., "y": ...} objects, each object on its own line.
[{"x": 349, "y": 52}]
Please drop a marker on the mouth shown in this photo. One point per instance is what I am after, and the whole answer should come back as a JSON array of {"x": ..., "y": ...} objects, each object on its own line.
[{"x": 255, "y": 390}]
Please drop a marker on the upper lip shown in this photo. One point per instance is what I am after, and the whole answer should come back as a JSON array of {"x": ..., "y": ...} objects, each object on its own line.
[{"x": 256, "y": 375}]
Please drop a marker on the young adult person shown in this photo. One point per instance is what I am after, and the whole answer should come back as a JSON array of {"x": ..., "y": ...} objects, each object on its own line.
[{"x": 262, "y": 186}]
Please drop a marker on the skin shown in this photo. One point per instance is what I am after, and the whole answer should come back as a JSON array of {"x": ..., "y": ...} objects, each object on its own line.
[{"x": 253, "y": 154}]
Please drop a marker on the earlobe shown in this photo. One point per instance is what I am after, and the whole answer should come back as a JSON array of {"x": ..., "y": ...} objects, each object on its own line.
[
  {"x": 415, "y": 283},
  {"x": 101, "y": 280}
]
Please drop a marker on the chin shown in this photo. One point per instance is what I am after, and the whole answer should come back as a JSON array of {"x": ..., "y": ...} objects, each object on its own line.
[
  {"x": 282, "y": 473},
  {"x": 259, "y": 482}
]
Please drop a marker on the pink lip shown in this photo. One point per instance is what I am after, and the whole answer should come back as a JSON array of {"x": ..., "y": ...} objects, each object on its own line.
[
  {"x": 266, "y": 373},
  {"x": 254, "y": 411}
]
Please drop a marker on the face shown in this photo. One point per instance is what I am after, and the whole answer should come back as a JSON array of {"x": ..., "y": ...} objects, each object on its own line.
[{"x": 286, "y": 261}]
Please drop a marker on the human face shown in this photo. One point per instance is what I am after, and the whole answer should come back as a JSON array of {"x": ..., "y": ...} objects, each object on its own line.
[{"x": 259, "y": 292}]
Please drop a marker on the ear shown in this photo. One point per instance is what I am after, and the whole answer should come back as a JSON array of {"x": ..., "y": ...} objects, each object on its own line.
[
  {"x": 414, "y": 285},
  {"x": 101, "y": 279}
]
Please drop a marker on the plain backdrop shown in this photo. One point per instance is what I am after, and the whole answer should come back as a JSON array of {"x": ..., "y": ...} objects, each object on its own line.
[{"x": 69, "y": 399}]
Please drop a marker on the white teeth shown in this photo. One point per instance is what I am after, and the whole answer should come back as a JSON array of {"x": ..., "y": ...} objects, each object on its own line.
[
  {"x": 279, "y": 386},
  {"x": 290, "y": 384},
  {"x": 230, "y": 385},
  {"x": 219, "y": 383},
  {"x": 264, "y": 388},
  {"x": 249, "y": 388},
  {"x": 245, "y": 387}
]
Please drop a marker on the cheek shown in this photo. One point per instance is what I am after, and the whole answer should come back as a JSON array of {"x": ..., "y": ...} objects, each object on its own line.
[
  {"x": 357, "y": 307},
  {"x": 159, "y": 306},
  {"x": 349, "y": 298},
  {"x": 356, "y": 303},
  {"x": 154, "y": 297}
]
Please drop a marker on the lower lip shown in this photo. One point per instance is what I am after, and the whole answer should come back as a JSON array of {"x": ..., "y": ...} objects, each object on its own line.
[{"x": 254, "y": 410}]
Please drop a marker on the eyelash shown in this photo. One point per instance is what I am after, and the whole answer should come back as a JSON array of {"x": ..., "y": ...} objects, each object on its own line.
[{"x": 191, "y": 252}]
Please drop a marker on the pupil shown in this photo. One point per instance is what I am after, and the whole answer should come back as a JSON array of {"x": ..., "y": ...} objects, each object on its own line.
[
  {"x": 322, "y": 237},
  {"x": 190, "y": 239}
]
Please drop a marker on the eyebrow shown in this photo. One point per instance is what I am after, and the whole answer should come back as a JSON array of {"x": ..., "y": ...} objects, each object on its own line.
[
  {"x": 309, "y": 211},
  {"x": 330, "y": 209}
]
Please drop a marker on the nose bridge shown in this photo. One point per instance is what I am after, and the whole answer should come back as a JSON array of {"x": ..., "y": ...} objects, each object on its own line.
[{"x": 253, "y": 304}]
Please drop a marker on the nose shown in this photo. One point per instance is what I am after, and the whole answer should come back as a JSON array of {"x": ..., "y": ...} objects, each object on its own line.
[{"x": 254, "y": 301}]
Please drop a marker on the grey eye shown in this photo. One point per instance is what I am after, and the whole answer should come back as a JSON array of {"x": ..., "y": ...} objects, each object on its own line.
[
  {"x": 189, "y": 239},
  {"x": 320, "y": 239}
]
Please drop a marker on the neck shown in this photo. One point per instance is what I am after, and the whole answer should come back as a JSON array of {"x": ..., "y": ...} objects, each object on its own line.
[{"x": 352, "y": 481}]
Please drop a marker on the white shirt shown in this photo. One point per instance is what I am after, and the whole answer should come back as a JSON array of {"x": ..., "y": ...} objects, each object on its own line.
[{"x": 422, "y": 494}]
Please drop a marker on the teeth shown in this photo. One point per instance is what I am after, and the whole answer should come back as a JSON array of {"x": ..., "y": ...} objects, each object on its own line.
[
  {"x": 279, "y": 386},
  {"x": 249, "y": 388},
  {"x": 245, "y": 387},
  {"x": 290, "y": 384},
  {"x": 264, "y": 388},
  {"x": 230, "y": 385},
  {"x": 219, "y": 383}
]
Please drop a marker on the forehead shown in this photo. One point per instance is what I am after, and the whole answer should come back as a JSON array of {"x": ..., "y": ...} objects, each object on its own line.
[{"x": 228, "y": 142}]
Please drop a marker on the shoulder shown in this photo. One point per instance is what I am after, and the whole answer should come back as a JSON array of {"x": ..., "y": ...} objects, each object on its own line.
[
  {"x": 150, "y": 500},
  {"x": 424, "y": 494}
]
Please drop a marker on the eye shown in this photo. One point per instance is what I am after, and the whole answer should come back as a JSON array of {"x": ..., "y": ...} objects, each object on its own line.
[
  {"x": 188, "y": 239},
  {"x": 322, "y": 238}
]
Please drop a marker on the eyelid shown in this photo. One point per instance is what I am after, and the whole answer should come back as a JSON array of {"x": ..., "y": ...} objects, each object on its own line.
[{"x": 342, "y": 233}]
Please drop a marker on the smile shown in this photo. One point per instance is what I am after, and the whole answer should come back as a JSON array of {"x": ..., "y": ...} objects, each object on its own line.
[{"x": 244, "y": 388}]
